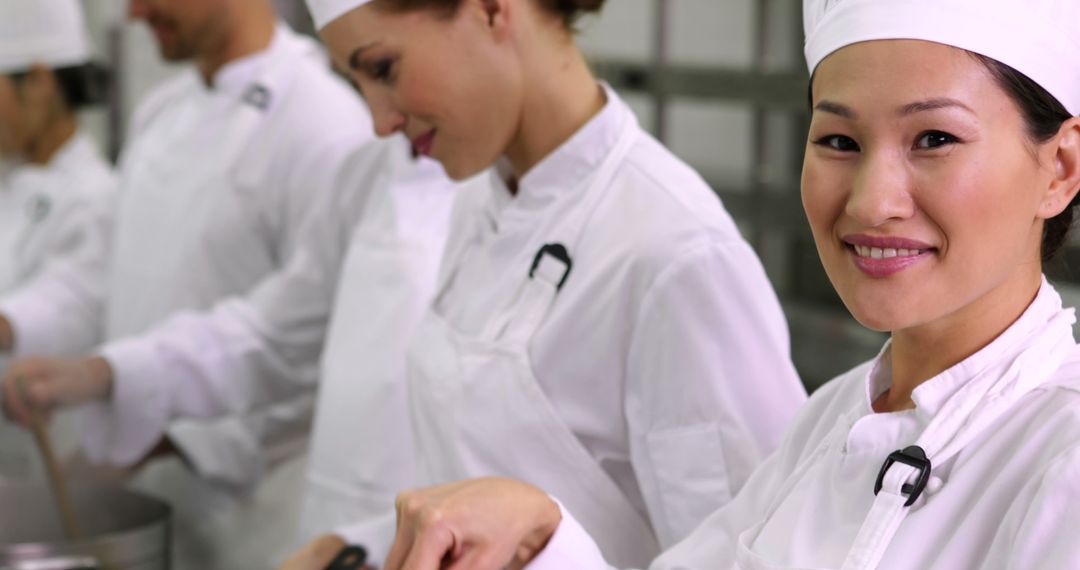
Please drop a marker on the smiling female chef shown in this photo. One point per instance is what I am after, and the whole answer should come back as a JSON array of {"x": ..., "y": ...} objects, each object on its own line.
[
  {"x": 942, "y": 168},
  {"x": 601, "y": 327}
]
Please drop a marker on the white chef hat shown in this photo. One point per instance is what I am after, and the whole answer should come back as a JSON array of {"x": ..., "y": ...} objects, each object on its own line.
[
  {"x": 52, "y": 32},
  {"x": 325, "y": 11},
  {"x": 1039, "y": 38}
]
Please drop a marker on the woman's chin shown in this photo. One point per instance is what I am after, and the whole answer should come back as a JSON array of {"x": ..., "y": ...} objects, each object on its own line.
[
  {"x": 880, "y": 316},
  {"x": 459, "y": 170}
]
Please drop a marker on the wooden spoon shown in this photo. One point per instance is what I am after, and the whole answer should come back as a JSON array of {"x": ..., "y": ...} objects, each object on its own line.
[{"x": 52, "y": 467}]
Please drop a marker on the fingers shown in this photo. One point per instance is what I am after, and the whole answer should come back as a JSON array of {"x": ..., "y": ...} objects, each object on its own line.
[
  {"x": 481, "y": 524},
  {"x": 315, "y": 555},
  {"x": 424, "y": 538},
  {"x": 14, "y": 407},
  {"x": 34, "y": 386},
  {"x": 432, "y": 546},
  {"x": 483, "y": 559},
  {"x": 23, "y": 395},
  {"x": 404, "y": 537},
  {"x": 54, "y": 382}
]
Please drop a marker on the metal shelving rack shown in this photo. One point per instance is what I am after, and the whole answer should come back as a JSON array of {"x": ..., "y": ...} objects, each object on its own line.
[{"x": 825, "y": 339}]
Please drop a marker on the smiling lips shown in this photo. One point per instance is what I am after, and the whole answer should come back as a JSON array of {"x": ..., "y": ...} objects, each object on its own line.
[
  {"x": 423, "y": 143},
  {"x": 882, "y": 257}
]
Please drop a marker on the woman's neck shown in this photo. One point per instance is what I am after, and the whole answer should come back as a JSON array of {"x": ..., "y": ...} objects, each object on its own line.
[
  {"x": 921, "y": 353},
  {"x": 52, "y": 138},
  {"x": 561, "y": 96}
]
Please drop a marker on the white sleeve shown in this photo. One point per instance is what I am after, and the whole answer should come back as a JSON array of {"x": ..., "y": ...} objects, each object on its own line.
[
  {"x": 60, "y": 311},
  {"x": 570, "y": 548},
  {"x": 238, "y": 448},
  {"x": 711, "y": 388},
  {"x": 711, "y": 546},
  {"x": 244, "y": 355}
]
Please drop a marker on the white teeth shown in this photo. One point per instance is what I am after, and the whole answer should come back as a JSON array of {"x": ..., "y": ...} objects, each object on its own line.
[{"x": 884, "y": 253}]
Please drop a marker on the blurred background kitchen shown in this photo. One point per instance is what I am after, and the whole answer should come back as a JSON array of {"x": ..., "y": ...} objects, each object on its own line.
[{"x": 722, "y": 84}]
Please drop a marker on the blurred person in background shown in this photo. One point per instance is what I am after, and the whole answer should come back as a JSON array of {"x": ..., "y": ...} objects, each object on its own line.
[
  {"x": 220, "y": 168},
  {"x": 347, "y": 301},
  {"x": 56, "y": 187}
]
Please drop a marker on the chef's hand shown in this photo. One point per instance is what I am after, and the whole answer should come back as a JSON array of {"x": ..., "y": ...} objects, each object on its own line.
[
  {"x": 50, "y": 383},
  {"x": 480, "y": 524},
  {"x": 7, "y": 335},
  {"x": 317, "y": 554}
]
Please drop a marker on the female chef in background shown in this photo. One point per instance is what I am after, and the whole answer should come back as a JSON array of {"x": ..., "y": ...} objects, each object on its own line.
[
  {"x": 601, "y": 328},
  {"x": 56, "y": 188},
  {"x": 941, "y": 172},
  {"x": 53, "y": 175}
]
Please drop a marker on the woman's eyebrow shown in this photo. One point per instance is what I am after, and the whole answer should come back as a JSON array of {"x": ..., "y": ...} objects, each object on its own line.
[
  {"x": 910, "y": 109},
  {"x": 933, "y": 105},
  {"x": 354, "y": 57},
  {"x": 836, "y": 109}
]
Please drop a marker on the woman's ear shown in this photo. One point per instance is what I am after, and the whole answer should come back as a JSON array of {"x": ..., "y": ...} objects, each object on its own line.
[
  {"x": 1066, "y": 177},
  {"x": 497, "y": 16}
]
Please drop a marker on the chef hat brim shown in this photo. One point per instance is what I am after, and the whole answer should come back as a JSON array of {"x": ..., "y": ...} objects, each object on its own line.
[{"x": 1025, "y": 36}]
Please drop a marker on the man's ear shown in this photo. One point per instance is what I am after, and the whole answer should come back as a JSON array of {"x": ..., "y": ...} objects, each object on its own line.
[{"x": 1066, "y": 162}]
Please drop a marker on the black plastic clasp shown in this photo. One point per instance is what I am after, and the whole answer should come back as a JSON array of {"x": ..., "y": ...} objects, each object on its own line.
[
  {"x": 351, "y": 557},
  {"x": 915, "y": 457},
  {"x": 558, "y": 251}
]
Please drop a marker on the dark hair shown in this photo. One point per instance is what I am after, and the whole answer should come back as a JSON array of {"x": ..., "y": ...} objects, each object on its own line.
[
  {"x": 568, "y": 10},
  {"x": 80, "y": 85},
  {"x": 1043, "y": 115}
]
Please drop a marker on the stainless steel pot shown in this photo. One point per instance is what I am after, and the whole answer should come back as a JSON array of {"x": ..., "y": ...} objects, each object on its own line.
[{"x": 123, "y": 530}]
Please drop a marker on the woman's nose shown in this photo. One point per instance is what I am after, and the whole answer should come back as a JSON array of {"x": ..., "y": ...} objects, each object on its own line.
[
  {"x": 881, "y": 192},
  {"x": 388, "y": 119}
]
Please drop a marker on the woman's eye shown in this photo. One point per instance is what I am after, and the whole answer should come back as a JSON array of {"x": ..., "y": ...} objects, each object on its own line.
[
  {"x": 934, "y": 139},
  {"x": 838, "y": 142},
  {"x": 381, "y": 69}
]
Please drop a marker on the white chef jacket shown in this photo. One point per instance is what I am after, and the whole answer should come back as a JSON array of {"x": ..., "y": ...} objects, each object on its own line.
[
  {"x": 53, "y": 219},
  {"x": 1008, "y": 500},
  {"x": 666, "y": 353},
  {"x": 54, "y": 212},
  {"x": 222, "y": 240}
]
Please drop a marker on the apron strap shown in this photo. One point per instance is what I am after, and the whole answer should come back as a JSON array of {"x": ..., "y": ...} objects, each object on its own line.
[
  {"x": 548, "y": 274},
  {"x": 966, "y": 416},
  {"x": 894, "y": 496},
  {"x": 552, "y": 263}
]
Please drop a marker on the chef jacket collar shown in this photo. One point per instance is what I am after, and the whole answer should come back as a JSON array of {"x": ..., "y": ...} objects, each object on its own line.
[
  {"x": 235, "y": 77},
  {"x": 66, "y": 158},
  {"x": 931, "y": 395},
  {"x": 563, "y": 170}
]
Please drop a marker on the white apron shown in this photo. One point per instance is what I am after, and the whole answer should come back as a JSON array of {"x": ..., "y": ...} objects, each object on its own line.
[
  {"x": 478, "y": 410},
  {"x": 361, "y": 452},
  {"x": 967, "y": 415}
]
